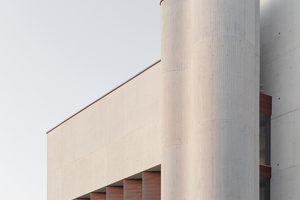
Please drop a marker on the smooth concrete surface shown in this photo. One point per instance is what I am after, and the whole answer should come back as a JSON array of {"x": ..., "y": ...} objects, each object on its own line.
[
  {"x": 210, "y": 99},
  {"x": 285, "y": 184},
  {"x": 280, "y": 75},
  {"x": 286, "y": 140},
  {"x": 114, "y": 138},
  {"x": 257, "y": 96},
  {"x": 176, "y": 98},
  {"x": 195, "y": 113}
]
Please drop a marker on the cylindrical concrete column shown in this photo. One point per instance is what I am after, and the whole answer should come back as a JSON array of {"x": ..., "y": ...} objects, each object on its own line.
[
  {"x": 209, "y": 99},
  {"x": 176, "y": 97}
]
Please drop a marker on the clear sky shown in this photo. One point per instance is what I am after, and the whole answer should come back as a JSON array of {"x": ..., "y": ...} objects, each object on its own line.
[{"x": 56, "y": 57}]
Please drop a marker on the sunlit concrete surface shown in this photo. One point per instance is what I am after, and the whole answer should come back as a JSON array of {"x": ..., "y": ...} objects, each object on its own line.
[
  {"x": 112, "y": 139},
  {"x": 195, "y": 113},
  {"x": 210, "y": 93}
]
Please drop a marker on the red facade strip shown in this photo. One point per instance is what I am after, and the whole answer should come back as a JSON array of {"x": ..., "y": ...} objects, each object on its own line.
[
  {"x": 133, "y": 189},
  {"x": 98, "y": 196},
  {"x": 151, "y": 186},
  {"x": 264, "y": 171},
  {"x": 265, "y": 104},
  {"x": 114, "y": 193}
]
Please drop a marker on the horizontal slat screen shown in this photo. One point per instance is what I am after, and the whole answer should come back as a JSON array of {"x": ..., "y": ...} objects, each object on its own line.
[
  {"x": 151, "y": 186},
  {"x": 265, "y": 104},
  {"x": 114, "y": 193},
  {"x": 133, "y": 189},
  {"x": 265, "y": 171},
  {"x": 98, "y": 196}
]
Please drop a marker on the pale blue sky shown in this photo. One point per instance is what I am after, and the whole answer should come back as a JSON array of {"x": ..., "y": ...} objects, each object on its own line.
[{"x": 56, "y": 57}]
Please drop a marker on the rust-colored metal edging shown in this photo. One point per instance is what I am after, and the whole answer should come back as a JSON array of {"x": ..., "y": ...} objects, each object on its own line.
[
  {"x": 265, "y": 104},
  {"x": 265, "y": 171}
]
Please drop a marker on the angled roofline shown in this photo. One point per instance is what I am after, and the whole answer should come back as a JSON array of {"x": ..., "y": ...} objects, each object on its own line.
[{"x": 105, "y": 95}]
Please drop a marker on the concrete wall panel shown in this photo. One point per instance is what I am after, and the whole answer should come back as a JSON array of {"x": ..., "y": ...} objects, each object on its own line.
[
  {"x": 98, "y": 168},
  {"x": 54, "y": 153},
  {"x": 281, "y": 80},
  {"x": 280, "y": 76},
  {"x": 110, "y": 140},
  {"x": 285, "y": 141},
  {"x": 285, "y": 184},
  {"x": 55, "y": 185},
  {"x": 76, "y": 178}
]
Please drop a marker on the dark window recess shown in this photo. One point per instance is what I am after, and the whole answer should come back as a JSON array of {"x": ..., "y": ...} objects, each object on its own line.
[{"x": 265, "y": 108}]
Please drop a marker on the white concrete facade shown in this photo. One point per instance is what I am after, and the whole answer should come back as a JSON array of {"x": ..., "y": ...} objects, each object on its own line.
[
  {"x": 280, "y": 76},
  {"x": 210, "y": 99},
  {"x": 114, "y": 138},
  {"x": 194, "y": 114}
]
